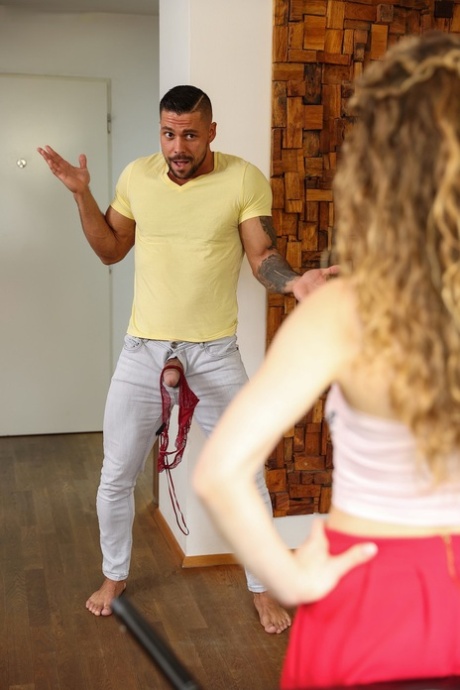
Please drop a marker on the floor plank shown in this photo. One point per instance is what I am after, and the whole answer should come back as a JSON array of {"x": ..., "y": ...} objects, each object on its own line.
[{"x": 50, "y": 563}]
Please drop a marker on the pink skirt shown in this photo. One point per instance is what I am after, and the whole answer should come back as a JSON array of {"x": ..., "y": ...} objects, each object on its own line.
[{"x": 396, "y": 617}]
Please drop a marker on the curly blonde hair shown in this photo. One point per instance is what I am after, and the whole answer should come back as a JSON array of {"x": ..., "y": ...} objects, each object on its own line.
[{"x": 397, "y": 200}]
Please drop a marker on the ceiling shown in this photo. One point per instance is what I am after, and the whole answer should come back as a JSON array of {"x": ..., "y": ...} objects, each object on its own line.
[{"x": 110, "y": 6}]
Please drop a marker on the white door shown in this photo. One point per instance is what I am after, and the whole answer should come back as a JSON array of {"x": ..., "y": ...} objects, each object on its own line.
[{"x": 54, "y": 292}]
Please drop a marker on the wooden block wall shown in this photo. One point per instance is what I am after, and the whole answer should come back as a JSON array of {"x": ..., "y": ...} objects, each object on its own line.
[{"x": 319, "y": 47}]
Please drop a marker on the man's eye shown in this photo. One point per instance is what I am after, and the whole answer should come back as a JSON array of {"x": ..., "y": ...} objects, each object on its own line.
[{"x": 191, "y": 136}]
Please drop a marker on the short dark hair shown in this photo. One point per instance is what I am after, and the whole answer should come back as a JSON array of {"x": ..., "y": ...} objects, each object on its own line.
[{"x": 186, "y": 99}]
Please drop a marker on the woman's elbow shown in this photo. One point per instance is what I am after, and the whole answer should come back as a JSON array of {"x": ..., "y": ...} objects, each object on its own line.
[
  {"x": 200, "y": 482},
  {"x": 207, "y": 482}
]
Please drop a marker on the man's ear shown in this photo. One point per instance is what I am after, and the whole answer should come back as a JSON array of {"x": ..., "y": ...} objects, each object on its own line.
[{"x": 212, "y": 131}]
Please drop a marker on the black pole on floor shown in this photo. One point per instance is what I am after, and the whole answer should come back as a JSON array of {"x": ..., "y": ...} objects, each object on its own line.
[{"x": 163, "y": 656}]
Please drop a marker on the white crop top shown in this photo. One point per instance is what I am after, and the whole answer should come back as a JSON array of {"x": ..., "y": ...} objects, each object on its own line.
[{"x": 376, "y": 475}]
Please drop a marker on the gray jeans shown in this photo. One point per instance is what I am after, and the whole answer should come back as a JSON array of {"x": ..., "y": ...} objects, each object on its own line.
[{"x": 133, "y": 414}]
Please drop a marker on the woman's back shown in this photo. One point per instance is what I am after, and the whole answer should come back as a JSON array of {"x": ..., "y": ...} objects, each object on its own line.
[{"x": 381, "y": 486}]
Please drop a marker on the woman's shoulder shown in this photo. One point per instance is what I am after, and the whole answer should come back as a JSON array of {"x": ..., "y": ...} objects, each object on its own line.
[
  {"x": 335, "y": 301},
  {"x": 324, "y": 329},
  {"x": 363, "y": 383}
]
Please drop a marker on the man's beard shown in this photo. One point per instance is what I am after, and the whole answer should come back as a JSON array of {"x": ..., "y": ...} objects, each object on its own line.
[{"x": 186, "y": 174}]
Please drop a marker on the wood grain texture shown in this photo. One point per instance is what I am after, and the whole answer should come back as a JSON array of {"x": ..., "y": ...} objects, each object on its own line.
[{"x": 50, "y": 563}]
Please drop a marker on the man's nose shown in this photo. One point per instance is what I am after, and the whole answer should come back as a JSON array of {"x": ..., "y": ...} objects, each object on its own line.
[{"x": 179, "y": 145}]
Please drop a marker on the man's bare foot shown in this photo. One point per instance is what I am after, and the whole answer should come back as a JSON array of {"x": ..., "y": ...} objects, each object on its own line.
[
  {"x": 171, "y": 376},
  {"x": 99, "y": 602},
  {"x": 273, "y": 617}
]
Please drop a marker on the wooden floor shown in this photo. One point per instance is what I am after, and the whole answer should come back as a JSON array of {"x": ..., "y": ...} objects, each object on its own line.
[{"x": 50, "y": 563}]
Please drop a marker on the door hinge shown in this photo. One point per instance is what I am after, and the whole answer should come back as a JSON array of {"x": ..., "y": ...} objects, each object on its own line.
[{"x": 109, "y": 123}]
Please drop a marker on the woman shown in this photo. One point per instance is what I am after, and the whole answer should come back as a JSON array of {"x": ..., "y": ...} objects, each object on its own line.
[{"x": 385, "y": 339}]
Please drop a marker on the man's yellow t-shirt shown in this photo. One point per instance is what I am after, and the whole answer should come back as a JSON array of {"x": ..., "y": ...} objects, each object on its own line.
[{"x": 188, "y": 251}]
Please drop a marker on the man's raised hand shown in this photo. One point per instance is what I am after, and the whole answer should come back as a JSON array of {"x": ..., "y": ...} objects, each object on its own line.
[{"x": 76, "y": 179}]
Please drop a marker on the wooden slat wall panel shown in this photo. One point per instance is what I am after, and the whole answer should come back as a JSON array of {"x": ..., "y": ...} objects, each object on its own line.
[{"x": 319, "y": 47}]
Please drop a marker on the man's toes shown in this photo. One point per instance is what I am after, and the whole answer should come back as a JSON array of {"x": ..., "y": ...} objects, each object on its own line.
[
  {"x": 282, "y": 627},
  {"x": 95, "y": 608},
  {"x": 271, "y": 628}
]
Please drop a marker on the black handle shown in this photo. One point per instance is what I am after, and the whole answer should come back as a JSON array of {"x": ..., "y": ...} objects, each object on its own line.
[{"x": 154, "y": 645}]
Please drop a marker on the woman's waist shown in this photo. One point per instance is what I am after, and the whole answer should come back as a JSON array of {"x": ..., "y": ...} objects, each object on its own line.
[{"x": 343, "y": 521}]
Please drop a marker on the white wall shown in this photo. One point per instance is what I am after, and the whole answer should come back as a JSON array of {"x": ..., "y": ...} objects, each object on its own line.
[
  {"x": 224, "y": 48},
  {"x": 121, "y": 48}
]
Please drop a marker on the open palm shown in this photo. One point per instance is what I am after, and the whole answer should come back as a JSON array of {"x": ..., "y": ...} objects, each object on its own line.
[{"x": 76, "y": 179}]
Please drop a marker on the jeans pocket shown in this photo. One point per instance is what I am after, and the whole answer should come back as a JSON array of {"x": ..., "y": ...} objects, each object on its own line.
[
  {"x": 224, "y": 347},
  {"x": 132, "y": 343}
]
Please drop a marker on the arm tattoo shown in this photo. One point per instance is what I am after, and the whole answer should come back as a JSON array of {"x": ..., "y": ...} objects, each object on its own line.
[
  {"x": 274, "y": 272},
  {"x": 269, "y": 230}
]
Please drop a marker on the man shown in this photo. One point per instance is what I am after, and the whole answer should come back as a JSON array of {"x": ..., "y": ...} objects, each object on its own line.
[{"x": 190, "y": 214}]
